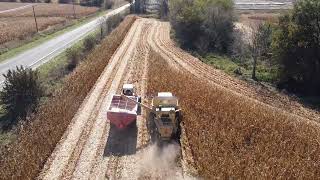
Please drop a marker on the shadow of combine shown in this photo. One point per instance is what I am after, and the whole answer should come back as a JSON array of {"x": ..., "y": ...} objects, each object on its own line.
[{"x": 121, "y": 141}]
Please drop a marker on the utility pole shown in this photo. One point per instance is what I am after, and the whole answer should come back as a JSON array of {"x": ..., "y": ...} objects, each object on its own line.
[
  {"x": 74, "y": 11},
  {"x": 101, "y": 31},
  {"x": 35, "y": 18}
]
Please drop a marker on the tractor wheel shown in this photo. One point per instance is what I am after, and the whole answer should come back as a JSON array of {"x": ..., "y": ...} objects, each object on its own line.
[
  {"x": 152, "y": 127},
  {"x": 112, "y": 126},
  {"x": 157, "y": 138},
  {"x": 177, "y": 135},
  {"x": 139, "y": 106}
]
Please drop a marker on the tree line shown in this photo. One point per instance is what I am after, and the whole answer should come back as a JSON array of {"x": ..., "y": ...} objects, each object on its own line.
[{"x": 293, "y": 44}]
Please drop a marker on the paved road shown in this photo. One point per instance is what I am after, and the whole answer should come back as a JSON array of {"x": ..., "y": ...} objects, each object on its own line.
[
  {"x": 44, "y": 52},
  {"x": 15, "y": 9},
  {"x": 263, "y": 4}
]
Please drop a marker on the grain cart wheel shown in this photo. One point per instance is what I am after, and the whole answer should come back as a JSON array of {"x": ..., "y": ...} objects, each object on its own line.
[
  {"x": 139, "y": 106},
  {"x": 152, "y": 127},
  {"x": 112, "y": 126}
]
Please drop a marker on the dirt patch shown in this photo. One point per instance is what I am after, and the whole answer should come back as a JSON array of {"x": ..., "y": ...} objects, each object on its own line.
[{"x": 157, "y": 162}]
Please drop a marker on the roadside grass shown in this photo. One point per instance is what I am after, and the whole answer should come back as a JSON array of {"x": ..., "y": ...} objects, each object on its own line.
[
  {"x": 264, "y": 72},
  {"x": 221, "y": 62},
  {"x": 52, "y": 73},
  {"x": 42, "y": 37},
  {"x": 5, "y": 136}
]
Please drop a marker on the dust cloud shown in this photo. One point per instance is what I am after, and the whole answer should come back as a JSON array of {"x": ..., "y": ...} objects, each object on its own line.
[{"x": 161, "y": 163}]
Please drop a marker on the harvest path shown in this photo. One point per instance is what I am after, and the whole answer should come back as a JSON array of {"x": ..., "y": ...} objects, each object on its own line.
[{"x": 91, "y": 149}]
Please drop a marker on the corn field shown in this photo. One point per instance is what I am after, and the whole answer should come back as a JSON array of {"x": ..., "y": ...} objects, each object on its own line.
[
  {"x": 233, "y": 137},
  {"x": 38, "y": 138}
]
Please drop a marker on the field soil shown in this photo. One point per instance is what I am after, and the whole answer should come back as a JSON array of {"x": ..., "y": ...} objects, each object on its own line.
[{"x": 149, "y": 59}]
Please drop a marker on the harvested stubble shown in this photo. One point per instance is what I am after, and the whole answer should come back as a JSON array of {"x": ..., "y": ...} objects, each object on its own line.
[
  {"x": 20, "y": 24},
  {"x": 38, "y": 138},
  {"x": 10, "y": 5},
  {"x": 51, "y": 10},
  {"x": 19, "y": 28},
  {"x": 232, "y": 136}
]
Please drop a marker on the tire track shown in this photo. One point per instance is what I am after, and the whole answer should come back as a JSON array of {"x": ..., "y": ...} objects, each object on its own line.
[
  {"x": 83, "y": 139},
  {"x": 67, "y": 174},
  {"x": 91, "y": 148},
  {"x": 88, "y": 155},
  {"x": 187, "y": 169},
  {"x": 61, "y": 155},
  {"x": 137, "y": 75},
  {"x": 117, "y": 161}
]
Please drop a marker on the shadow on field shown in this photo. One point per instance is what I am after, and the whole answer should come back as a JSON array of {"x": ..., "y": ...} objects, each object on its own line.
[{"x": 121, "y": 142}]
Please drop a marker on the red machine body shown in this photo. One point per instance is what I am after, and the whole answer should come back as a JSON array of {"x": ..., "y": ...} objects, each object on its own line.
[{"x": 122, "y": 110}]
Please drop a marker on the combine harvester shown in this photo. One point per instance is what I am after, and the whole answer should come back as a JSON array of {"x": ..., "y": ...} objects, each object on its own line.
[{"x": 164, "y": 117}]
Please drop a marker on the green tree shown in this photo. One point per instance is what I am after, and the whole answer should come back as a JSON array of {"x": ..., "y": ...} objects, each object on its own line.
[
  {"x": 108, "y": 4},
  {"x": 164, "y": 9},
  {"x": 297, "y": 47},
  {"x": 137, "y": 7},
  {"x": 203, "y": 25},
  {"x": 74, "y": 55},
  {"x": 90, "y": 42},
  {"x": 260, "y": 44},
  {"x": 21, "y": 92}
]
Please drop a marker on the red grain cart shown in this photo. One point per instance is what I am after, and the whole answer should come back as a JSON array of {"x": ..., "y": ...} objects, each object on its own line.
[{"x": 122, "y": 111}]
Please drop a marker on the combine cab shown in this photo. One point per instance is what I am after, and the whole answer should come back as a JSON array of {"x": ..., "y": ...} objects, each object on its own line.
[
  {"x": 123, "y": 110},
  {"x": 165, "y": 117}
]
